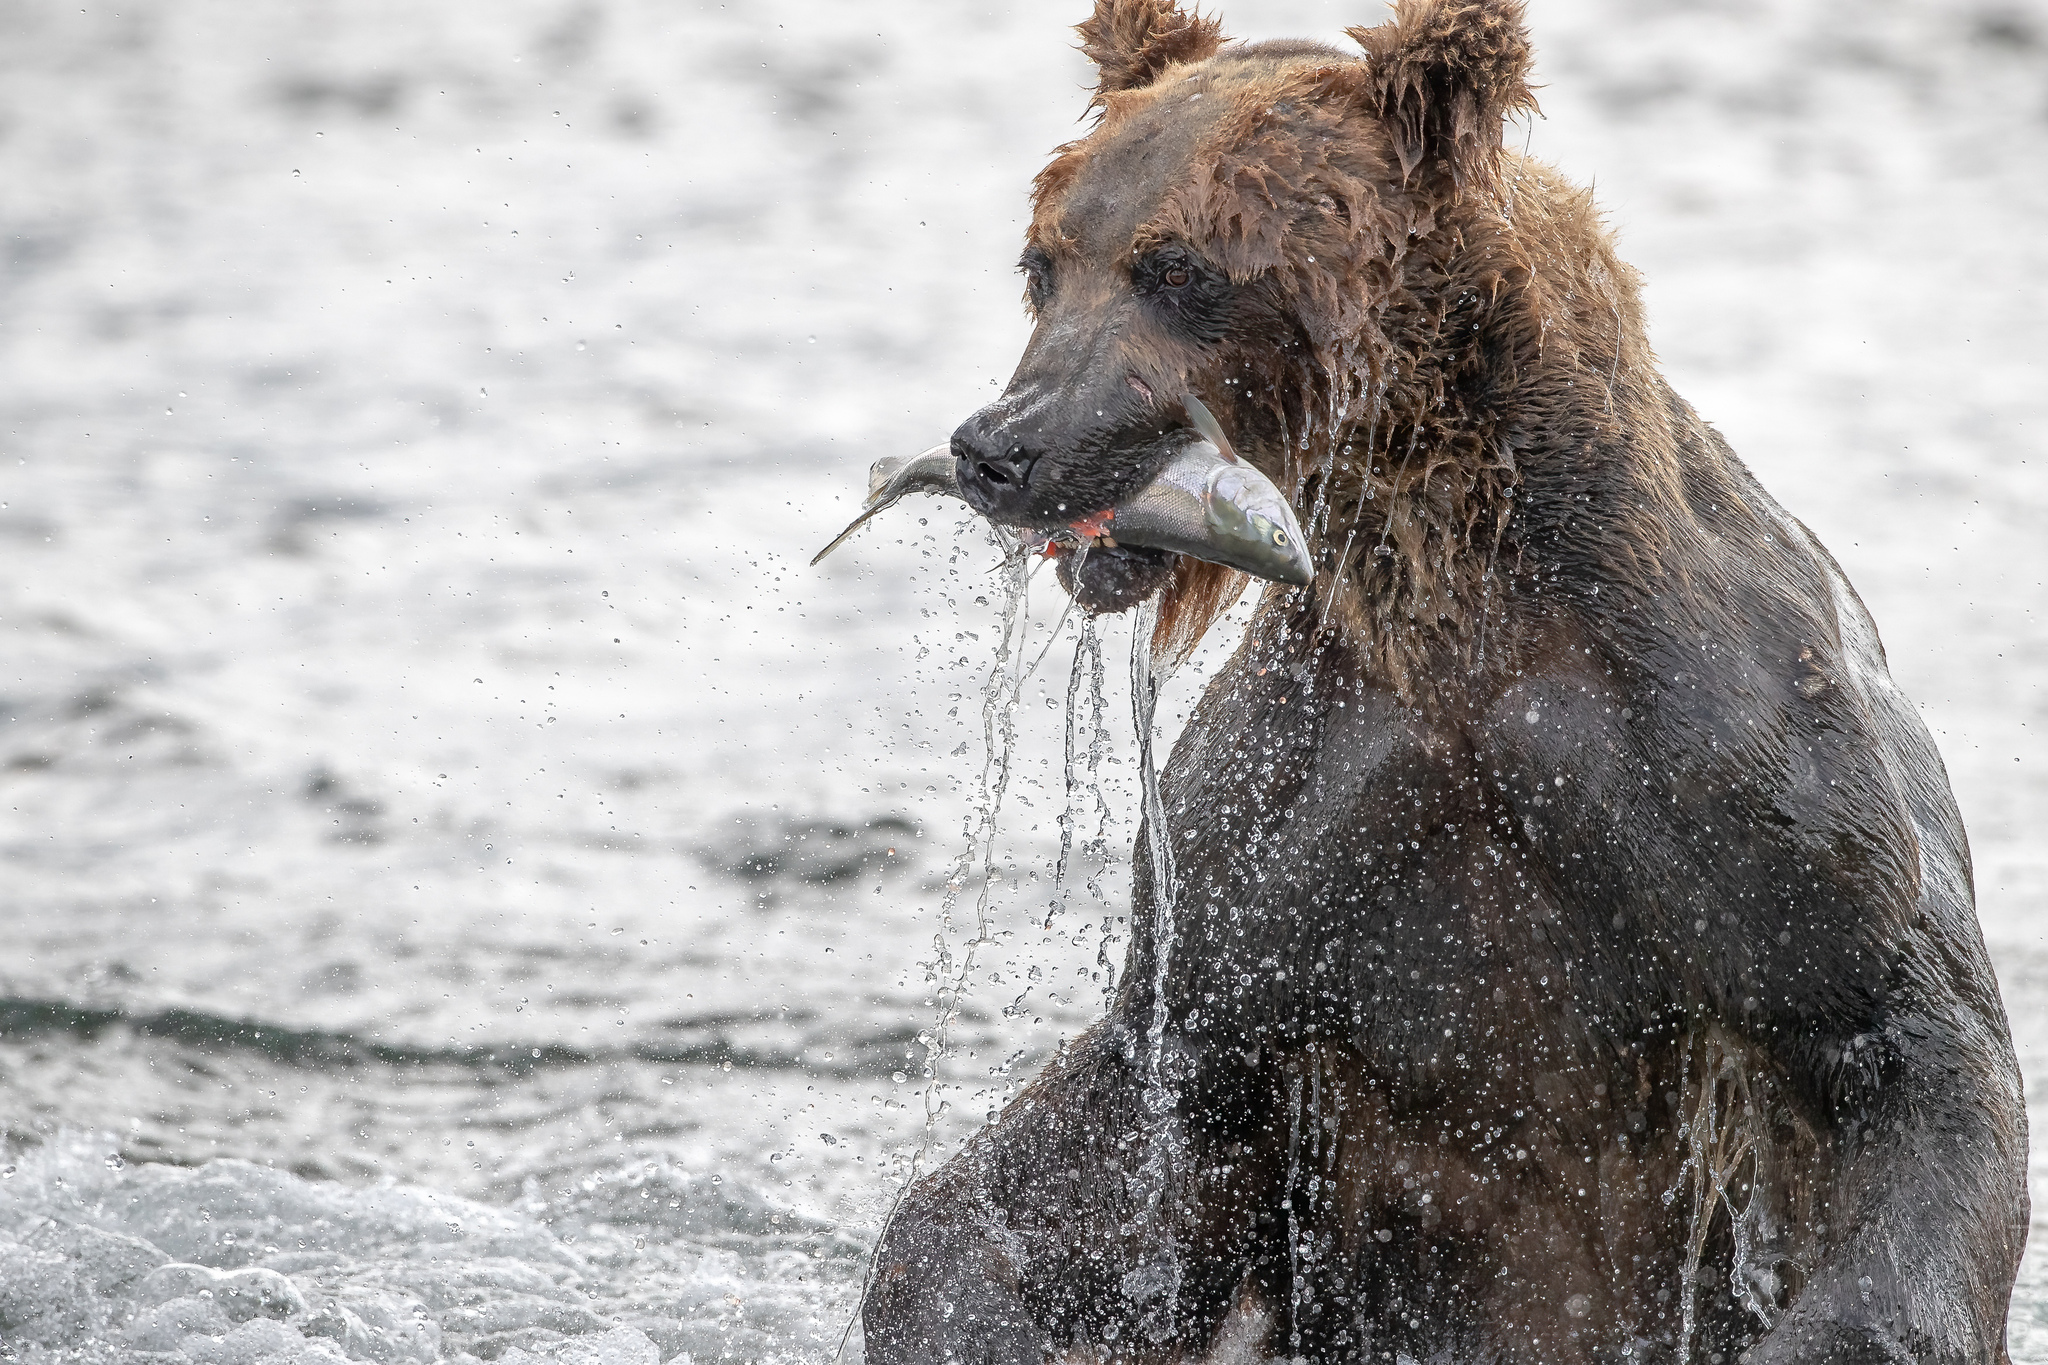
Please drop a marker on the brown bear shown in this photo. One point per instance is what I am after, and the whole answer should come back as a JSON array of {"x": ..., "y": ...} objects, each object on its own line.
[{"x": 1575, "y": 956}]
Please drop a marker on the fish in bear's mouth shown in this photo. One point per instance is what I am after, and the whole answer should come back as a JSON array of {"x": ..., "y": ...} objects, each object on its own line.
[{"x": 1205, "y": 503}]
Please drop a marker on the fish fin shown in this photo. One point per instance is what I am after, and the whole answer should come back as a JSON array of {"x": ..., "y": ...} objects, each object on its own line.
[{"x": 1206, "y": 423}]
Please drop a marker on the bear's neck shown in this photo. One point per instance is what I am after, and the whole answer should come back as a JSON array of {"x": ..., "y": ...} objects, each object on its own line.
[{"x": 1510, "y": 361}]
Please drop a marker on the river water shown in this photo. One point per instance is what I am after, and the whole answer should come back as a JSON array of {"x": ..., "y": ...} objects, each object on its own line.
[{"x": 469, "y": 886}]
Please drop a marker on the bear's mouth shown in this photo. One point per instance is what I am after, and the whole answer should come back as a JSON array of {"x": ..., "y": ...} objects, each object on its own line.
[{"x": 1205, "y": 502}]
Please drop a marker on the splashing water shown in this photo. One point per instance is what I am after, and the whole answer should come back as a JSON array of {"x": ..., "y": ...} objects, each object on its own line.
[
  {"x": 999, "y": 699},
  {"x": 1000, "y": 694}
]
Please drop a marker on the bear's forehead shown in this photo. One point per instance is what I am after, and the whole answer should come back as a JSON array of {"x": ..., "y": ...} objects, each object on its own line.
[
  {"x": 1129, "y": 172},
  {"x": 1156, "y": 141}
]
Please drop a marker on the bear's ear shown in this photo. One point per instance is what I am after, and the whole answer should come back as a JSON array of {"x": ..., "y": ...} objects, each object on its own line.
[
  {"x": 1444, "y": 74},
  {"x": 1132, "y": 41}
]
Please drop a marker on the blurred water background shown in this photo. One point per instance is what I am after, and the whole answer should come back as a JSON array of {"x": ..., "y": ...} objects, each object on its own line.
[{"x": 470, "y": 889}]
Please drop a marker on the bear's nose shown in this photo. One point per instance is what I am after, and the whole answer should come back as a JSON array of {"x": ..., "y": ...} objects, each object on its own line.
[{"x": 992, "y": 466}]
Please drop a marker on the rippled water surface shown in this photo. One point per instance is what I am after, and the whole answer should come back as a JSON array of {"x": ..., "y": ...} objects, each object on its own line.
[{"x": 471, "y": 890}]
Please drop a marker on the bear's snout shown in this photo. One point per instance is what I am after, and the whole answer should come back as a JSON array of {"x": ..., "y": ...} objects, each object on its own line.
[{"x": 993, "y": 466}]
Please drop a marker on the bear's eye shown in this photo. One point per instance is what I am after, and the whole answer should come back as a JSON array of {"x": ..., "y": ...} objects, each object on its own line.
[
  {"x": 1184, "y": 293},
  {"x": 1036, "y": 267}
]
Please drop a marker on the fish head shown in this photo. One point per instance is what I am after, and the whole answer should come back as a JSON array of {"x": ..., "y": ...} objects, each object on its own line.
[{"x": 1251, "y": 526}]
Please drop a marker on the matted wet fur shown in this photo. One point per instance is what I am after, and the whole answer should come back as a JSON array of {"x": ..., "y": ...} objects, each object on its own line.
[{"x": 1577, "y": 958}]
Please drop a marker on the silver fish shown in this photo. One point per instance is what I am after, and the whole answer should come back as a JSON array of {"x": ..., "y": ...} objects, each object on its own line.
[{"x": 1206, "y": 503}]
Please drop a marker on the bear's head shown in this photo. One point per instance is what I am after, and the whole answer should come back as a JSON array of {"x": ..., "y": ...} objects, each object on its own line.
[{"x": 1282, "y": 229}]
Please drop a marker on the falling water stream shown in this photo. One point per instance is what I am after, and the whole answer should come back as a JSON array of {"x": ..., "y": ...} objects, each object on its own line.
[
  {"x": 999, "y": 699},
  {"x": 1083, "y": 773},
  {"x": 1153, "y": 1283},
  {"x": 1146, "y": 680}
]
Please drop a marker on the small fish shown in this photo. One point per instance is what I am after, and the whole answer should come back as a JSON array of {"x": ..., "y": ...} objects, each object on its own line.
[{"x": 1206, "y": 503}]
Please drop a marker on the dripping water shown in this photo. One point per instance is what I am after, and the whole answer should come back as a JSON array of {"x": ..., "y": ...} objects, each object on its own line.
[
  {"x": 1317, "y": 1164},
  {"x": 1339, "y": 578},
  {"x": 1071, "y": 770},
  {"x": 999, "y": 698},
  {"x": 1372, "y": 431},
  {"x": 1319, "y": 515},
  {"x": 1315, "y": 1113}
]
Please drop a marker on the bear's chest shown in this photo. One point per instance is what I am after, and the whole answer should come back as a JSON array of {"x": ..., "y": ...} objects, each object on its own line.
[{"x": 1349, "y": 869}]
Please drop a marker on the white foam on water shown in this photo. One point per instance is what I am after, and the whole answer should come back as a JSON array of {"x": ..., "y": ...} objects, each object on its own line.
[{"x": 232, "y": 1262}]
